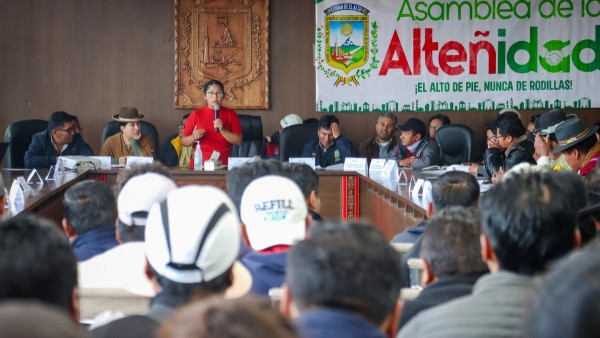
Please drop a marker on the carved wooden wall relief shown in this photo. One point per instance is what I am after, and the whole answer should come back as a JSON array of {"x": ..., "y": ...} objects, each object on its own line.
[{"x": 226, "y": 40}]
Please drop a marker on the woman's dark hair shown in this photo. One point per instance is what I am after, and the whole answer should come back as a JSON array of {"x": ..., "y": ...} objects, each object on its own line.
[{"x": 213, "y": 83}]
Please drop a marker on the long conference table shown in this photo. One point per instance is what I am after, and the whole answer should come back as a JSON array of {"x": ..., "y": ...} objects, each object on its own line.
[{"x": 346, "y": 196}]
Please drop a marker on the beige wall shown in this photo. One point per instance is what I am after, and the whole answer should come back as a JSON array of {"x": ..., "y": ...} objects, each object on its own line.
[{"x": 90, "y": 57}]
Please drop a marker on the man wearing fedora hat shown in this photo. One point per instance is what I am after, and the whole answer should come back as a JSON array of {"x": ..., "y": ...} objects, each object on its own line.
[
  {"x": 579, "y": 144},
  {"x": 545, "y": 140},
  {"x": 130, "y": 141}
]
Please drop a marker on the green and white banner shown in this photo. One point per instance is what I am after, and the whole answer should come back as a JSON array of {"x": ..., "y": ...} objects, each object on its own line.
[{"x": 409, "y": 55}]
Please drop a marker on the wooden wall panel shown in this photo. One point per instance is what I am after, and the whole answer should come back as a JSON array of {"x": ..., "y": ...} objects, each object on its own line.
[{"x": 91, "y": 57}]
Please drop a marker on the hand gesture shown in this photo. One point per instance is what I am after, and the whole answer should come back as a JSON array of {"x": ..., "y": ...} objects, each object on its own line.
[
  {"x": 198, "y": 133},
  {"x": 335, "y": 130},
  {"x": 542, "y": 147}
]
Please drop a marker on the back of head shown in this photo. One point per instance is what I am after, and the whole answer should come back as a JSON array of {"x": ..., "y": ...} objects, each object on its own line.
[
  {"x": 451, "y": 243},
  {"x": 273, "y": 212},
  {"x": 567, "y": 301},
  {"x": 305, "y": 177},
  {"x": 89, "y": 205},
  {"x": 135, "y": 200},
  {"x": 58, "y": 119},
  {"x": 193, "y": 238},
  {"x": 529, "y": 220},
  {"x": 326, "y": 120},
  {"x": 239, "y": 177},
  {"x": 346, "y": 266},
  {"x": 246, "y": 317},
  {"x": 36, "y": 262},
  {"x": 509, "y": 124},
  {"x": 455, "y": 188},
  {"x": 27, "y": 319},
  {"x": 136, "y": 170}
]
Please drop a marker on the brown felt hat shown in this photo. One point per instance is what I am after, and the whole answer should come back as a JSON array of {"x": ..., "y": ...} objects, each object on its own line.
[{"x": 128, "y": 114}]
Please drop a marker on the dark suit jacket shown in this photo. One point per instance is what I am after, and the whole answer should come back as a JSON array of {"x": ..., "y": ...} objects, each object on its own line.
[{"x": 41, "y": 152}]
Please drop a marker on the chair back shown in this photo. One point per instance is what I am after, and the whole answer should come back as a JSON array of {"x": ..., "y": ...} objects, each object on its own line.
[
  {"x": 252, "y": 134},
  {"x": 148, "y": 128},
  {"x": 19, "y": 135},
  {"x": 457, "y": 144},
  {"x": 293, "y": 139}
]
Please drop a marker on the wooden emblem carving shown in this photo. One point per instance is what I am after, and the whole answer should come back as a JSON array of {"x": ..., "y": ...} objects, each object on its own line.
[{"x": 225, "y": 40}]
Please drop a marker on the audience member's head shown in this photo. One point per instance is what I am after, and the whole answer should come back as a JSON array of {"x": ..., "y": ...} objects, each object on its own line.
[
  {"x": 308, "y": 181},
  {"x": 135, "y": 200},
  {"x": 246, "y": 317},
  {"x": 88, "y": 205},
  {"x": 37, "y": 263},
  {"x": 413, "y": 130},
  {"x": 239, "y": 177},
  {"x": 274, "y": 212},
  {"x": 345, "y": 266},
  {"x": 30, "y": 319},
  {"x": 567, "y": 301},
  {"x": 527, "y": 221},
  {"x": 385, "y": 127},
  {"x": 192, "y": 241},
  {"x": 436, "y": 122},
  {"x": 62, "y": 127},
  {"x": 136, "y": 170},
  {"x": 575, "y": 141},
  {"x": 450, "y": 246},
  {"x": 455, "y": 188}
]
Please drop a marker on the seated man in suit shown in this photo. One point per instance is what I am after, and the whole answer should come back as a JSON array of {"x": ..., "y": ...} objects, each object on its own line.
[
  {"x": 330, "y": 147},
  {"x": 57, "y": 140},
  {"x": 344, "y": 281},
  {"x": 129, "y": 141},
  {"x": 415, "y": 150},
  {"x": 527, "y": 221},
  {"x": 173, "y": 153},
  {"x": 383, "y": 144},
  {"x": 451, "y": 257}
]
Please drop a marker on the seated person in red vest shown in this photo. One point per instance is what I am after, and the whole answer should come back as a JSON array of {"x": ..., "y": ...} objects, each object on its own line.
[
  {"x": 57, "y": 140},
  {"x": 272, "y": 142},
  {"x": 451, "y": 257},
  {"x": 579, "y": 145},
  {"x": 383, "y": 144},
  {"x": 415, "y": 150},
  {"x": 275, "y": 217},
  {"x": 330, "y": 147},
  {"x": 129, "y": 141}
]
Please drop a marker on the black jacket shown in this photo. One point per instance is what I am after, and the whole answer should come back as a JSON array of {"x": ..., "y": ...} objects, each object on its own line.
[{"x": 520, "y": 151}]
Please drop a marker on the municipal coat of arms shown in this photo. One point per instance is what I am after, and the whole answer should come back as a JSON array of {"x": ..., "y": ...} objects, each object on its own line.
[{"x": 347, "y": 43}]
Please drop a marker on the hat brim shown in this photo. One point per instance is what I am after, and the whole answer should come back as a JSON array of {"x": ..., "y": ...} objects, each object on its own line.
[
  {"x": 592, "y": 132},
  {"x": 116, "y": 117}
]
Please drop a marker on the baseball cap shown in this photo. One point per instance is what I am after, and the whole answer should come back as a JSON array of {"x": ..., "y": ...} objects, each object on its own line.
[
  {"x": 290, "y": 120},
  {"x": 273, "y": 210},
  {"x": 193, "y": 236},
  {"x": 416, "y": 125},
  {"x": 139, "y": 194},
  {"x": 550, "y": 120}
]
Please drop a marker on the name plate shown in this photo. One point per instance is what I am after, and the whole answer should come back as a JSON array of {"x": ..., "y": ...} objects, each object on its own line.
[
  {"x": 138, "y": 160},
  {"x": 390, "y": 170},
  {"x": 306, "y": 160},
  {"x": 104, "y": 162},
  {"x": 376, "y": 167},
  {"x": 235, "y": 162},
  {"x": 358, "y": 164}
]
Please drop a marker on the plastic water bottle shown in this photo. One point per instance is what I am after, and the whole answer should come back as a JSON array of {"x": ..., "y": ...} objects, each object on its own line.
[{"x": 198, "y": 157}]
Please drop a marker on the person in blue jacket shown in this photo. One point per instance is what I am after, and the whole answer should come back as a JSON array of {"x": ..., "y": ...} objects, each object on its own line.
[
  {"x": 59, "y": 139},
  {"x": 330, "y": 147}
]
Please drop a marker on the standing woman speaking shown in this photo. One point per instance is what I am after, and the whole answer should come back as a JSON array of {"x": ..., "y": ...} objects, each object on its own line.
[{"x": 216, "y": 127}]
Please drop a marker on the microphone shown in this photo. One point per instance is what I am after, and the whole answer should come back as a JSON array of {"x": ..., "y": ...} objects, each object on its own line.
[{"x": 217, "y": 108}]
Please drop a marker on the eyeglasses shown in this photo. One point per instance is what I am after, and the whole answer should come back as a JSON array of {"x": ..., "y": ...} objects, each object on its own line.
[
  {"x": 69, "y": 130},
  {"x": 434, "y": 127},
  {"x": 214, "y": 93}
]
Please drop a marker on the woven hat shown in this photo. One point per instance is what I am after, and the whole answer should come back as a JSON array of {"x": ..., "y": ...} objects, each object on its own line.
[
  {"x": 572, "y": 132},
  {"x": 273, "y": 210},
  {"x": 128, "y": 114},
  {"x": 194, "y": 235}
]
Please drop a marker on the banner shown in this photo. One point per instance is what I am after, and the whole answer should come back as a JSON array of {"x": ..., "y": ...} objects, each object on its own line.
[{"x": 409, "y": 55}]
